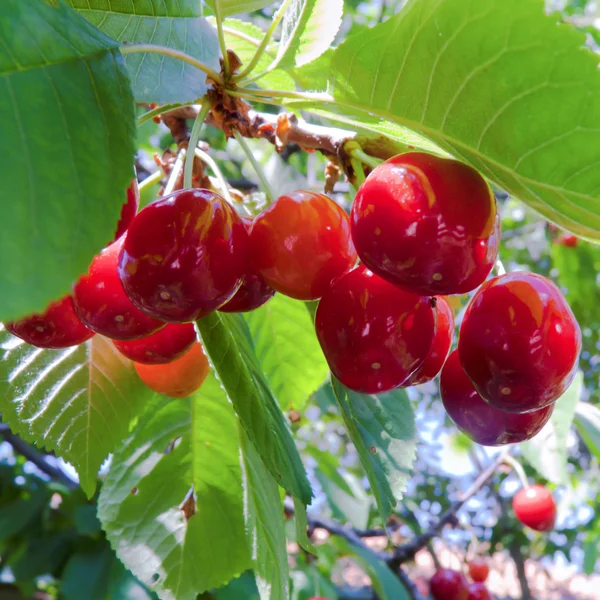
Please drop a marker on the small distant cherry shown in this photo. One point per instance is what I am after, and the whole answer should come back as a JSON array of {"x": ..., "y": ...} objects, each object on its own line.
[
  {"x": 478, "y": 569},
  {"x": 184, "y": 256},
  {"x": 164, "y": 346},
  {"x": 519, "y": 342},
  {"x": 129, "y": 209},
  {"x": 254, "y": 291},
  {"x": 568, "y": 240},
  {"x": 480, "y": 421},
  {"x": 444, "y": 332},
  {"x": 448, "y": 584},
  {"x": 373, "y": 334},
  {"x": 478, "y": 591},
  {"x": 301, "y": 243},
  {"x": 427, "y": 224},
  {"x": 103, "y": 306},
  {"x": 177, "y": 379},
  {"x": 57, "y": 327},
  {"x": 534, "y": 506}
]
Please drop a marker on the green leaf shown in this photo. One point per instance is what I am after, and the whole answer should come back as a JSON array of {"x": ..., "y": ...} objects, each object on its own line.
[
  {"x": 67, "y": 145},
  {"x": 386, "y": 585},
  {"x": 383, "y": 430},
  {"x": 242, "y": 587},
  {"x": 587, "y": 420},
  {"x": 547, "y": 451},
  {"x": 498, "y": 84},
  {"x": 308, "y": 30},
  {"x": 228, "y": 343},
  {"x": 591, "y": 551},
  {"x": 86, "y": 575},
  {"x": 78, "y": 402},
  {"x": 15, "y": 516},
  {"x": 329, "y": 465},
  {"x": 302, "y": 526},
  {"x": 264, "y": 519},
  {"x": 172, "y": 503},
  {"x": 178, "y": 25},
  {"x": 288, "y": 350},
  {"x": 232, "y": 7}
]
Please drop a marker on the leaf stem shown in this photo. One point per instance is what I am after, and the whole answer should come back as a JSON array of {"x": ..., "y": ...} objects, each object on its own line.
[
  {"x": 510, "y": 461},
  {"x": 177, "y": 54},
  {"x": 259, "y": 171},
  {"x": 188, "y": 172},
  {"x": 370, "y": 161},
  {"x": 207, "y": 159},
  {"x": 155, "y": 112},
  {"x": 265, "y": 41},
  {"x": 150, "y": 180},
  {"x": 221, "y": 36},
  {"x": 314, "y": 96}
]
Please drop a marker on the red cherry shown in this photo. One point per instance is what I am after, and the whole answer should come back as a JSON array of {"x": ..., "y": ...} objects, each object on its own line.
[
  {"x": 102, "y": 305},
  {"x": 478, "y": 591},
  {"x": 301, "y": 243},
  {"x": 568, "y": 240},
  {"x": 447, "y": 584},
  {"x": 57, "y": 327},
  {"x": 481, "y": 422},
  {"x": 254, "y": 291},
  {"x": 534, "y": 506},
  {"x": 129, "y": 209},
  {"x": 183, "y": 256},
  {"x": 478, "y": 570},
  {"x": 373, "y": 334},
  {"x": 519, "y": 342},
  {"x": 427, "y": 224},
  {"x": 444, "y": 332},
  {"x": 164, "y": 346}
]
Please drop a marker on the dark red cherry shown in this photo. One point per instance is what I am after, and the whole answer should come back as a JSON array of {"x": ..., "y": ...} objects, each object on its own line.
[
  {"x": 444, "y": 332},
  {"x": 519, "y": 342},
  {"x": 254, "y": 291},
  {"x": 478, "y": 591},
  {"x": 427, "y": 224},
  {"x": 57, "y": 327},
  {"x": 164, "y": 346},
  {"x": 184, "y": 256},
  {"x": 448, "y": 584},
  {"x": 479, "y": 569},
  {"x": 301, "y": 243},
  {"x": 129, "y": 209},
  {"x": 481, "y": 422},
  {"x": 103, "y": 306},
  {"x": 534, "y": 506},
  {"x": 373, "y": 334}
]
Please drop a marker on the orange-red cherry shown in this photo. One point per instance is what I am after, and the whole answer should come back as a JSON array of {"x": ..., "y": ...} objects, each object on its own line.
[
  {"x": 103, "y": 306},
  {"x": 478, "y": 569},
  {"x": 373, "y": 334},
  {"x": 448, "y": 584},
  {"x": 534, "y": 506},
  {"x": 164, "y": 346},
  {"x": 129, "y": 209},
  {"x": 57, "y": 327},
  {"x": 519, "y": 342},
  {"x": 444, "y": 332},
  {"x": 427, "y": 224},
  {"x": 184, "y": 256},
  {"x": 481, "y": 422},
  {"x": 301, "y": 243}
]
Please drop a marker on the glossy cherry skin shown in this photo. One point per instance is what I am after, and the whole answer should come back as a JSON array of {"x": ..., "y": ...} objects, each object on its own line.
[
  {"x": 57, "y": 327},
  {"x": 177, "y": 379},
  {"x": 481, "y": 422},
  {"x": 427, "y": 224},
  {"x": 184, "y": 256},
  {"x": 444, "y": 332},
  {"x": 254, "y": 291},
  {"x": 519, "y": 342},
  {"x": 478, "y": 591},
  {"x": 535, "y": 507},
  {"x": 448, "y": 584},
  {"x": 103, "y": 306},
  {"x": 478, "y": 570},
  {"x": 129, "y": 209},
  {"x": 301, "y": 243},
  {"x": 164, "y": 346},
  {"x": 568, "y": 240},
  {"x": 373, "y": 334}
]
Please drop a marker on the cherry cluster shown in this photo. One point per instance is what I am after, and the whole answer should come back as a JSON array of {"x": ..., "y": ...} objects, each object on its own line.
[{"x": 448, "y": 584}]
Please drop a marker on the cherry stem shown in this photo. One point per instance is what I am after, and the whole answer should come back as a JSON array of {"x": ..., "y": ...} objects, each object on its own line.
[
  {"x": 221, "y": 36},
  {"x": 224, "y": 188},
  {"x": 156, "y": 112},
  {"x": 499, "y": 266},
  {"x": 150, "y": 180},
  {"x": 259, "y": 171},
  {"x": 370, "y": 161},
  {"x": 359, "y": 172},
  {"x": 188, "y": 172},
  {"x": 175, "y": 172},
  {"x": 177, "y": 54},
  {"x": 511, "y": 462}
]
